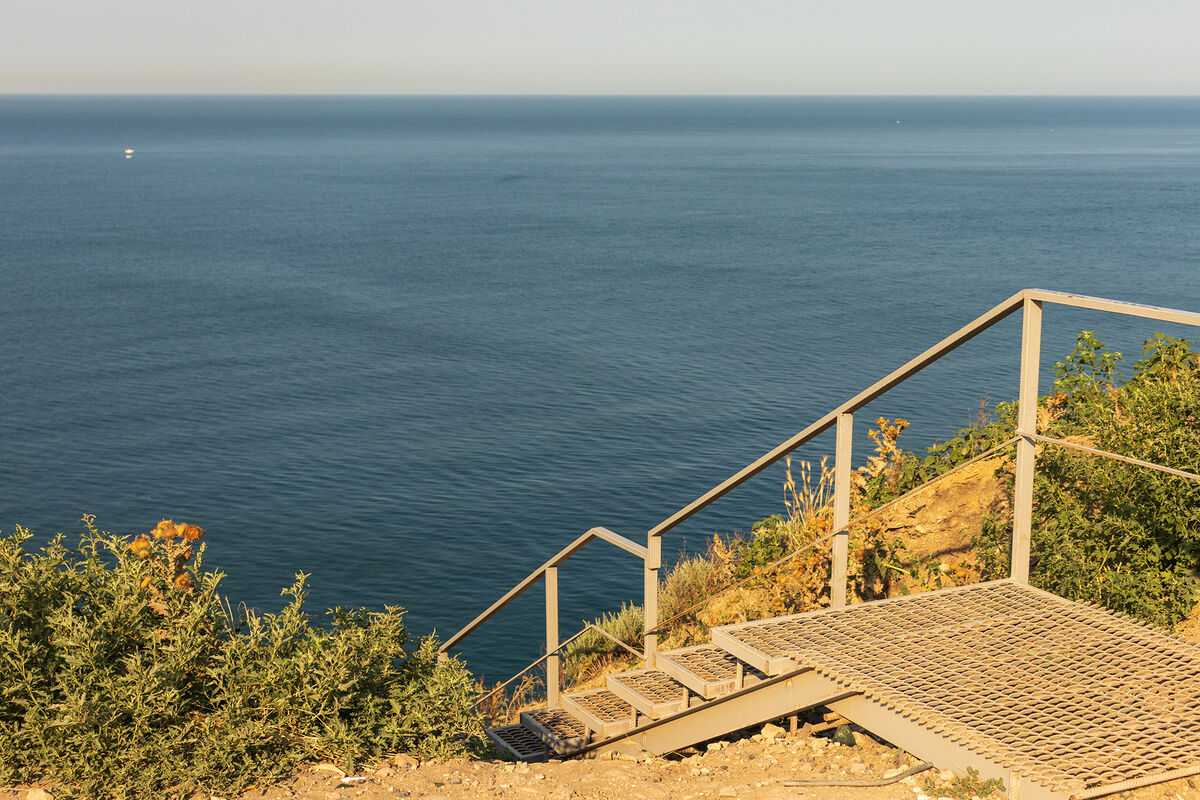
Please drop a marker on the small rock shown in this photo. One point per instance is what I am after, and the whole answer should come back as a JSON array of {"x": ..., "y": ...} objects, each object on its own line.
[
  {"x": 384, "y": 772},
  {"x": 715, "y": 746},
  {"x": 727, "y": 791},
  {"x": 406, "y": 761},
  {"x": 772, "y": 731},
  {"x": 946, "y": 775},
  {"x": 857, "y": 768},
  {"x": 38, "y": 794}
]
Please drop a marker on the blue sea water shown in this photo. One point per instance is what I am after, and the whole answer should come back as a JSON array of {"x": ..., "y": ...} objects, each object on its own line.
[{"x": 414, "y": 345}]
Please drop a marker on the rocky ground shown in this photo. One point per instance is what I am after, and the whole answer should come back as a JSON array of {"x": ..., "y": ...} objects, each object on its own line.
[{"x": 761, "y": 764}]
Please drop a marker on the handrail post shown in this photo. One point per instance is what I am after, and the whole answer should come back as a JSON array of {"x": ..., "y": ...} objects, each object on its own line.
[
  {"x": 650, "y": 597},
  {"x": 552, "y": 659},
  {"x": 841, "y": 509},
  {"x": 1027, "y": 398}
]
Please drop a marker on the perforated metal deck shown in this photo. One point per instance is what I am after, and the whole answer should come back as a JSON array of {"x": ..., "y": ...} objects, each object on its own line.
[
  {"x": 707, "y": 670},
  {"x": 653, "y": 693},
  {"x": 1068, "y": 695},
  {"x": 601, "y": 710},
  {"x": 519, "y": 742},
  {"x": 558, "y": 730}
]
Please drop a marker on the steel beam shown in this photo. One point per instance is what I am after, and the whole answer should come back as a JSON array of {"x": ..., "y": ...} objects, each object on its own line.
[
  {"x": 552, "y": 658},
  {"x": 753, "y": 706},
  {"x": 650, "y": 598},
  {"x": 929, "y": 745},
  {"x": 841, "y": 509},
  {"x": 1031, "y": 345}
]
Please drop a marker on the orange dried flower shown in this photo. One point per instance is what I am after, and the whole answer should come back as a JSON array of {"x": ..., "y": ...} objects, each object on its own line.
[
  {"x": 146, "y": 582},
  {"x": 184, "y": 583},
  {"x": 185, "y": 554},
  {"x": 141, "y": 546},
  {"x": 165, "y": 530},
  {"x": 193, "y": 533}
]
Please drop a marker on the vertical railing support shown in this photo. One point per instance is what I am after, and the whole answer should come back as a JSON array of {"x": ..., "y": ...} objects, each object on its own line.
[
  {"x": 1027, "y": 398},
  {"x": 841, "y": 509},
  {"x": 553, "y": 658},
  {"x": 650, "y": 597}
]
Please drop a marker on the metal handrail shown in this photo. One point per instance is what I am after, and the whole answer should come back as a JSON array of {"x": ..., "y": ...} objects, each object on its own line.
[
  {"x": 890, "y": 381},
  {"x": 1029, "y": 301},
  {"x": 553, "y": 562},
  {"x": 590, "y": 626},
  {"x": 861, "y": 518},
  {"x": 912, "y": 367}
]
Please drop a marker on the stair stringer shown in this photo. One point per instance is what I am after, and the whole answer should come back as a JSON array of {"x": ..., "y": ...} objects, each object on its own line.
[
  {"x": 928, "y": 745},
  {"x": 754, "y": 705},
  {"x": 796, "y": 691}
]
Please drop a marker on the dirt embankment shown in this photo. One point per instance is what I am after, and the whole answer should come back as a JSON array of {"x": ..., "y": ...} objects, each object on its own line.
[{"x": 755, "y": 764}]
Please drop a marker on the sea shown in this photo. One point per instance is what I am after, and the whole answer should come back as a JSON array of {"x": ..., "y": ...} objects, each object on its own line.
[{"x": 412, "y": 346}]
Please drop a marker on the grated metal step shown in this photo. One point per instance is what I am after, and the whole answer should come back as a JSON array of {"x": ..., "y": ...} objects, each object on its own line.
[
  {"x": 653, "y": 693},
  {"x": 518, "y": 742},
  {"x": 600, "y": 710},
  {"x": 558, "y": 730},
  {"x": 708, "y": 670},
  {"x": 1070, "y": 696}
]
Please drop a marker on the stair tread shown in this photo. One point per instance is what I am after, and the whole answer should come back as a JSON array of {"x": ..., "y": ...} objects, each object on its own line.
[
  {"x": 707, "y": 669},
  {"x": 557, "y": 729},
  {"x": 651, "y": 691},
  {"x": 600, "y": 710},
  {"x": 520, "y": 742}
]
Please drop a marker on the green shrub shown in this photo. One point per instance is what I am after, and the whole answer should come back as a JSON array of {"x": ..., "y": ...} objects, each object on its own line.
[
  {"x": 589, "y": 653},
  {"x": 125, "y": 676},
  {"x": 1115, "y": 533}
]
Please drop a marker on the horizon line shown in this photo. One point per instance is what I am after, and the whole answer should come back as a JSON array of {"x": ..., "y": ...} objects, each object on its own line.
[{"x": 649, "y": 95}]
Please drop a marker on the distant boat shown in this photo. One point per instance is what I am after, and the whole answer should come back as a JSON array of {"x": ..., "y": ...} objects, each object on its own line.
[{"x": 129, "y": 152}]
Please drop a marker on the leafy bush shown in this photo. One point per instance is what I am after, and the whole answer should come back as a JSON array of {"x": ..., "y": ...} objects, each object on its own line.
[
  {"x": 126, "y": 676},
  {"x": 1119, "y": 534}
]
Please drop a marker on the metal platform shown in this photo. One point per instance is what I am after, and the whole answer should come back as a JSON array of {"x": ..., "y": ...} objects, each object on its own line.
[{"x": 1064, "y": 698}]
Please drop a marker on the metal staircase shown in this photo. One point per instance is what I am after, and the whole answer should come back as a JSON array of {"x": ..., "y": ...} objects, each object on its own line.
[{"x": 1057, "y": 699}]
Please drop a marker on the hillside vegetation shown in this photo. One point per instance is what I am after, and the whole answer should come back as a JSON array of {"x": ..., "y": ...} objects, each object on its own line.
[{"x": 125, "y": 675}]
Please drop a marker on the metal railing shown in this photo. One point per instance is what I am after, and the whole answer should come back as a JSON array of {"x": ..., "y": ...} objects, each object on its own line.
[
  {"x": 547, "y": 572},
  {"x": 1028, "y": 301}
]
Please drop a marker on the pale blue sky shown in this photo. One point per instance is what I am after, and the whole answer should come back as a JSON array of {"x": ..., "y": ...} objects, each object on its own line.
[{"x": 612, "y": 47}]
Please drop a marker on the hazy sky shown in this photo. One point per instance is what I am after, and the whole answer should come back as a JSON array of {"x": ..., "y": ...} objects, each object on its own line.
[{"x": 615, "y": 46}]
